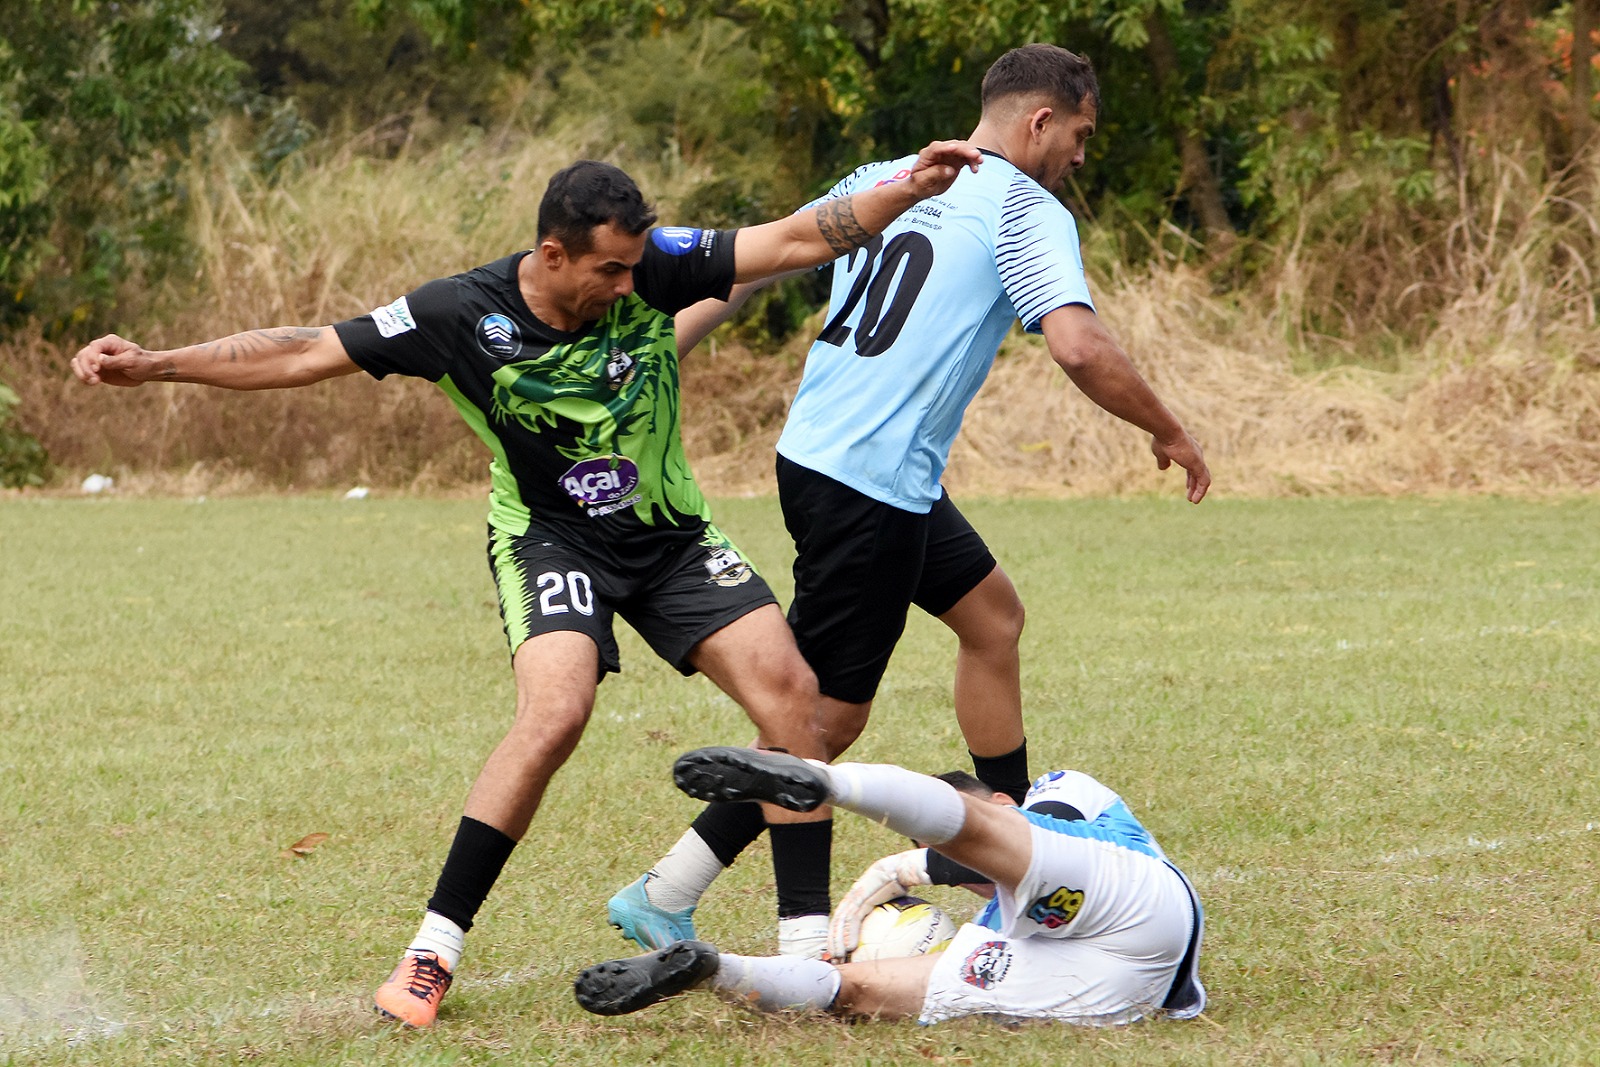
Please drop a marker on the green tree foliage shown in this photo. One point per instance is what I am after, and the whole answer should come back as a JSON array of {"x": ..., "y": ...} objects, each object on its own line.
[
  {"x": 696, "y": 96},
  {"x": 23, "y": 461},
  {"x": 98, "y": 104},
  {"x": 339, "y": 69}
]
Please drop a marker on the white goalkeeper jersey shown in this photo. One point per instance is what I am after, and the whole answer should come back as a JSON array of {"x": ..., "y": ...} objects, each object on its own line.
[{"x": 1101, "y": 930}]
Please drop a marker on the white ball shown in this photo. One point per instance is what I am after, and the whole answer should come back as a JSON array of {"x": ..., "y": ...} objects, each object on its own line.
[{"x": 904, "y": 926}]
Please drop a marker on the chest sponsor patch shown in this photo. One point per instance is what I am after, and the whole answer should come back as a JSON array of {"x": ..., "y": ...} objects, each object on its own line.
[
  {"x": 498, "y": 336},
  {"x": 600, "y": 483},
  {"x": 393, "y": 319},
  {"x": 1057, "y": 908},
  {"x": 986, "y": 966}
]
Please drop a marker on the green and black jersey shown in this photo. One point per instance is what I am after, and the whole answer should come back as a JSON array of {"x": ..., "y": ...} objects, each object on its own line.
[{"x": 583, "y": 426}]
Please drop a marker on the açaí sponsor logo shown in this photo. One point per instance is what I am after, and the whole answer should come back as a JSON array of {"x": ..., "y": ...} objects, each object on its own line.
[{"x": 601, "y": 484}]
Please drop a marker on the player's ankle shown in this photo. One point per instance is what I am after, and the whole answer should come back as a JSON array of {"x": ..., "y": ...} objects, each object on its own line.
[
  {"x": 804, "y": 936},
  {"x": 441, "y": 936}
]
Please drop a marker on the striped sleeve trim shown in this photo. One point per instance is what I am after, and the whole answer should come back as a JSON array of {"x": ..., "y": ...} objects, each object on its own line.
[{"x": 1036, "y": 250}]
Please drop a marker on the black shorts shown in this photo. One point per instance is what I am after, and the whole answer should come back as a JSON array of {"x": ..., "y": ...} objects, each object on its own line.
[
  {"x": 859, "y": 566},
  {"x": 545, "y": 587}
]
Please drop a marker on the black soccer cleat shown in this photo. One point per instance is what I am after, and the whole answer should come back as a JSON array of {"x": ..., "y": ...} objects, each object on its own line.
[
  {"x": 726, "y": 773},
  {"x": 618, "y": 987}
]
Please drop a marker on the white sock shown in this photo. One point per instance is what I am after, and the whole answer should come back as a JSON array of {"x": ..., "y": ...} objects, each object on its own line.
[
  {"x": 805, "y": 936},
  {"x": 681, "y": 877},
  {"x": 777, "y": 983},
  {"x": 440, "y": 935},
  {"x": 908, "y": 803}
]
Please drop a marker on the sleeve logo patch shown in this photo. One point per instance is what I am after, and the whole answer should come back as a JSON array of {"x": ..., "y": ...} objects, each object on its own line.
[
  {"x": 675, "y": 240},
  {"x": 394, "y": 319}
]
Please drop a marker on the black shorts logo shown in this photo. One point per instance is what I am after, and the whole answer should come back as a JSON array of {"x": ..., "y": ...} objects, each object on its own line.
[{"x": 727, "y": 568}]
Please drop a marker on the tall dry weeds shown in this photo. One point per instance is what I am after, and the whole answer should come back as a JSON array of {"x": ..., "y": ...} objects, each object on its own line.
[{"x": 1501, "y": 392}]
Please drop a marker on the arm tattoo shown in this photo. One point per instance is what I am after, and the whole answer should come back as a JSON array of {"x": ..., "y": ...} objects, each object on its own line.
[
  {"x": 242, "y": 346},
  {"x": 840, "y": 227}
]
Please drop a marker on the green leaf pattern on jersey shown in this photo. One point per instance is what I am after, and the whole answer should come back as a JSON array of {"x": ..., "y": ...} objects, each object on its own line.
[{"x": 567, "y": 392}]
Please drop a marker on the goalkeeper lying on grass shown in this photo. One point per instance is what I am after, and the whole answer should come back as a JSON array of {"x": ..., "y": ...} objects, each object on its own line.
[{"x": 1089, "y": 922}]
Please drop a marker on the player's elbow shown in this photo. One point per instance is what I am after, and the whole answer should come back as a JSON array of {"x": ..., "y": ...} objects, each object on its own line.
[{"x": 1082, "y": 354}]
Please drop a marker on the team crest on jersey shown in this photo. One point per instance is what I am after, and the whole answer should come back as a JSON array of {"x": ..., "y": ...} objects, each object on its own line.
[
  {"x": 727, "y": 568},
  {"x": 498, "y": 336},
  {"x": 1057, "y": 908},
  {"x": 620, "y": 369},
  {"x": 985, "y": 966}
]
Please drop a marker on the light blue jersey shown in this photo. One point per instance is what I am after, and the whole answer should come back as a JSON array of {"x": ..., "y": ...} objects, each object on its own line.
[{"x": 915, "y": 319}]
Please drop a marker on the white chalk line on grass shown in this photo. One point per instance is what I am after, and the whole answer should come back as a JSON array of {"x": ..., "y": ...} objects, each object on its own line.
[
  {"x": 45, "y": 995},
  {"x": 53, "y": 1005},
  {"x": 1467, "y": 846}
]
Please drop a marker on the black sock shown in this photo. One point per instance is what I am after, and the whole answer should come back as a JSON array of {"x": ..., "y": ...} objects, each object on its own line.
[
  {"x": 729, "y": 829},
  {"x": 476, "y": 858},
  {"x": 801, "y": 855},
  {"x": 1006, "y": 774}
]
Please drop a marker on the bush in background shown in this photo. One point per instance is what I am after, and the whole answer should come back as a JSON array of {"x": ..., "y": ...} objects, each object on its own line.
[
  {"x": 23, "y": 461},
  {"x": 98, "y": 107}
]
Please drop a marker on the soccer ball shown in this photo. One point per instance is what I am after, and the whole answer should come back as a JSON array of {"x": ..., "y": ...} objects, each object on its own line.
[{"x": 904, "y": 926}]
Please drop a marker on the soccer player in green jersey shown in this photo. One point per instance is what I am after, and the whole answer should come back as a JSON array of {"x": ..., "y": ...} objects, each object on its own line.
[{"x": 562, "y": 360}]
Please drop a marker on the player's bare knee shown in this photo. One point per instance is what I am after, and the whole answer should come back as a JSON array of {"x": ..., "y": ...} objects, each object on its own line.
[
  {"x": 883, "y": 989},
  {"x": 841, "y": 724},
  {"x": 798, "y": 685},
  {"x": 1009, "y": 621},
  {"x": 551, "y": 725}
]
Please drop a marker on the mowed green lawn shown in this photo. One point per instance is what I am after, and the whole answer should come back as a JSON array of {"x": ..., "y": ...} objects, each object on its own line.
[{"x": 1365, "y": 728}]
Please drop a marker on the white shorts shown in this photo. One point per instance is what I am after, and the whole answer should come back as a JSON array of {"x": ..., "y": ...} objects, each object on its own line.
[{"x": 1116, "y": 968}]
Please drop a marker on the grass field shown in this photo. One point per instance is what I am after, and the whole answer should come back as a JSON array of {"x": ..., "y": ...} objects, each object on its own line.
[{"x": 1365, "y": 728}]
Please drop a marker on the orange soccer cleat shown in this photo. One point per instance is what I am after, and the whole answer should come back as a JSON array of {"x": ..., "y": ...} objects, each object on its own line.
[{"x": 413, "y": 992}]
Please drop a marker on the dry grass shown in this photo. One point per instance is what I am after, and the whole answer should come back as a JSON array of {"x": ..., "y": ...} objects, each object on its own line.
[{"x": 1500, "y": 394}]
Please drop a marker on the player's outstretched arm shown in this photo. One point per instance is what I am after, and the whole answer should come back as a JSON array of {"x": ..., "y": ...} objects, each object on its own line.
[
  {"x": 695, "y": 322},
  {"x": 834, "y": 227},
  {"x": 1099, "y": 367},
  {"x": 277, "y": 358}
]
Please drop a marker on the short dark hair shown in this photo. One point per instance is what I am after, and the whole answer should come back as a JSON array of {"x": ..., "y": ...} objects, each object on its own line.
[
  {"x": 1064, "y": 76},
  {"x": 966, "y": 783},
  {"x": 588, "y": 194}
]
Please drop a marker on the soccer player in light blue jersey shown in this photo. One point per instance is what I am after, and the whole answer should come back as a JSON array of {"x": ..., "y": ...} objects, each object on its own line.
[{"x": 915, "y": 318}]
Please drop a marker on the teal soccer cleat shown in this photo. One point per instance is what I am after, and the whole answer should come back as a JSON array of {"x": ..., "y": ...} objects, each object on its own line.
[{"x": 646, "y": 925}]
